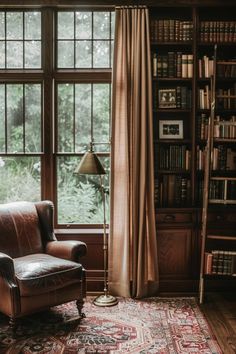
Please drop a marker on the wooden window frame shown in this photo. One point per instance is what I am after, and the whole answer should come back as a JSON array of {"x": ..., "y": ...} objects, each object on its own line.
[{"x": 49, "y": 76}]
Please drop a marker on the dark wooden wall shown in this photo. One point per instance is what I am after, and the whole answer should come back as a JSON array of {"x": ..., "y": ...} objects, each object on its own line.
[{"x": 93, "y": 261}]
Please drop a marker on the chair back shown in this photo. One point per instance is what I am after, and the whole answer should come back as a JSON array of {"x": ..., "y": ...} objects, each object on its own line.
[{"x": 20, "y": 233}]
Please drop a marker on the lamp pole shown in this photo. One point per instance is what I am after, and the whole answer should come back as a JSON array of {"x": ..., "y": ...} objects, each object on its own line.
[{"x": 105, "y": 299}]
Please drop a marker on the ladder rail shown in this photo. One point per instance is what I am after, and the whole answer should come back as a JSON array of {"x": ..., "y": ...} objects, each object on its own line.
[{"x": 207, "y": 175}]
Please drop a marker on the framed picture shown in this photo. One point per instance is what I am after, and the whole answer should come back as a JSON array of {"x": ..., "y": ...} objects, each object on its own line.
[
  {"x": 171, "y": 129},
  {"x": 167, "y": 98}
]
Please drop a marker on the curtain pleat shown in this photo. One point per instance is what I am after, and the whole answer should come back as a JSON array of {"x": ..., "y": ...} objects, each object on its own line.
[{"x": 133, "y": 266}]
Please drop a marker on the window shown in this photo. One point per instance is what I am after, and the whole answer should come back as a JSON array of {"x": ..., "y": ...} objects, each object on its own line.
[
  {"x": 55, "y": 97},
  {"x": 84, "y": 41},
  {"x": 20, "y": 107}
]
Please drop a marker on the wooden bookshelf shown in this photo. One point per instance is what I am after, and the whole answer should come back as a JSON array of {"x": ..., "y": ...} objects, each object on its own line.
[{"x": 185, "y": 60}]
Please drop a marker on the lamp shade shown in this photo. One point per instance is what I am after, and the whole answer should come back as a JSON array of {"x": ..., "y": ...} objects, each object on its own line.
[{"x": 90, "y": 165}]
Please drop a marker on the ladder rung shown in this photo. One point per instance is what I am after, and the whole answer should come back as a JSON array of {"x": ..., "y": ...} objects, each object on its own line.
[
  {"x": 223, "y": 178},
  {"x": 221, "y": 122},
  {"x": 225, "y": 96},
  {"x": 226, "y": 62},
  {"x": 225, "y": 140},
  {"x": 222, "y": 201},
  {"x": 221, "y": 237}
]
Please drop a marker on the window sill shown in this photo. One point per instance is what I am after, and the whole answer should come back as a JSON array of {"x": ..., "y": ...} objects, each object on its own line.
[{"x": 78, "y": 231}]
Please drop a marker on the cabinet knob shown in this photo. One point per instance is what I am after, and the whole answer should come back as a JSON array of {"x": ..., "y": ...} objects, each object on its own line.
[{"x": 169, "y": 217}]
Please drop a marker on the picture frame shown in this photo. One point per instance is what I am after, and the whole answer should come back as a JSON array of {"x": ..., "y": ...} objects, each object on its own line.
[
  {"x": 167, "y": 98},
  {"x": 171, "y": 129}
]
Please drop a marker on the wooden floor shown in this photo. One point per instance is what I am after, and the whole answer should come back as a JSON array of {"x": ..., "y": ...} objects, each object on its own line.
[{"x": 220, "y": 311}]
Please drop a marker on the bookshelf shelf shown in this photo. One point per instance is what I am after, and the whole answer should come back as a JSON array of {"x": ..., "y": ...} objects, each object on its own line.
[
  {"x": 211, "y": 44},
  {"x": 172, "y": 141},
  {"x": 218, "y": 237},
  {"x": 166, "y": 44},
  {"x": 174, "y": 172},
  {"x": 172, "y": 110},
  {"x": 170, "y": 79}
]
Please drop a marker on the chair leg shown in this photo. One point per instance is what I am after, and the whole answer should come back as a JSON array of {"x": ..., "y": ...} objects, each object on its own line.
[
  {"x": 13, "y": 325},
  {"x": 80, "y": 304}
]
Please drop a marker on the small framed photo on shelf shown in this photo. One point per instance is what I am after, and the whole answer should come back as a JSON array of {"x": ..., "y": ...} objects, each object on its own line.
[
  {"x": 167, "y": 98},
  {"x": 171, "y": 129}
]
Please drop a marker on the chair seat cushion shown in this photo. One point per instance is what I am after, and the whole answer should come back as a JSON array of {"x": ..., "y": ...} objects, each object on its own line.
[{"x": 41, "y": 273}]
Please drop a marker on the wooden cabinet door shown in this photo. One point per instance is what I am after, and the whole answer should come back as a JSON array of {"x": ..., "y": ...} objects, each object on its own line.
[{"x": 175, "y": 253}]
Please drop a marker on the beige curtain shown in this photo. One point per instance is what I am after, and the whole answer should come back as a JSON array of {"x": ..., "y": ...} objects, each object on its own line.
[{"x": 133, "y": 268}]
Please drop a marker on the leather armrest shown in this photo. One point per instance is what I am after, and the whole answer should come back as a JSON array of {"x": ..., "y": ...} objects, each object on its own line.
[
  {"x": 71, "y": 250},
  {"x": 7, "y": 268}
]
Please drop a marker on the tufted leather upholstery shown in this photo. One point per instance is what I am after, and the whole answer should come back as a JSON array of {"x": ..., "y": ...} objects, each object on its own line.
[{"x": 36, "y": 270}]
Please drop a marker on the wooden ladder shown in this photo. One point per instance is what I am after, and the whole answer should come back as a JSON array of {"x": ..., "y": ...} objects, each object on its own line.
[
  {"x": 207, "y": 175},
  {"x": 208, "y": 178}
]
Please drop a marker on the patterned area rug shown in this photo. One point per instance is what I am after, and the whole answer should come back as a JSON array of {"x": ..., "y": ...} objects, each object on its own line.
[{"x": 150, "y": 326}]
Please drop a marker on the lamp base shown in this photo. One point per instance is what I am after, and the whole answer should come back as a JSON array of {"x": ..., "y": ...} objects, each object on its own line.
[{"x": 105, "y": 300}]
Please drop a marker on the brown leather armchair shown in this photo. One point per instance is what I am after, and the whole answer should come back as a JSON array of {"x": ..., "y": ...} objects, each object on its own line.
[{"x": 36, "y": 270}]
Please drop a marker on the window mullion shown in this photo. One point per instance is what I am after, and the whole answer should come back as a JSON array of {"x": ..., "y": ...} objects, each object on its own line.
[
  {"x": 6, "y": 138},
  {"x": 23, "y": 117}
]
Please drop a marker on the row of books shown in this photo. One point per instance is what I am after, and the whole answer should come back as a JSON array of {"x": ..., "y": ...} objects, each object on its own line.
[
  {"x": 217, "y": 188},
  {"x": 225, "y": 98},
  {"x": 179, "y": 97},
  {"x": 217, "y": 31},
  {"x": 205, "y": 67},
  {"x": 171, "y": 30},
  {"x": 172, "y": 190},
  {"x": 223, "y": 128},
  {"x": 218, "y": 192},
  {"x": 225, "y": 68},
  {"x": 173, "y": 157},
  {"x": 174, "y": 64},
  {"x": 220, "y": 262},
  {"x": 223, "y": 158}
]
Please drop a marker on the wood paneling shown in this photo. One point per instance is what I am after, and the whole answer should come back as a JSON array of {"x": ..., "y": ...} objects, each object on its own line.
[{"x": 174, "y": 252}]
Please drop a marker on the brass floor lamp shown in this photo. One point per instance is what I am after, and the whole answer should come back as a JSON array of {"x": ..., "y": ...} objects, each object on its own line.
[{"x": 91, "y": 165}]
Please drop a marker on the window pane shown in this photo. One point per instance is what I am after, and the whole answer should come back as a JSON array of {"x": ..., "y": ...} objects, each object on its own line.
[
  {"x": 2, "y": 54},
  {"x": 65, "y": 25},
  {"x": 14, "y": 54},
  {"x": 101, "y": 115},
  {"x": 101, "y": 54},
  {"x": 65, "y": 54},
  {"x": 65, "y": 117},
  {"x": 101, "y": 29},
  {"x": 15, "y": 118},
  {"x": 21, "y": 176},
  {"x": 14, "y": 25},
  {"x": 83, "y": 25},
  {"x": 2, "y": 118},
  {"x": 83, "y": 54},
  {"x": 2, "y": 25},
  {"x": 32, "y": 54},
  {"x": 82, "y": 116},
  {"x": 32, "y": 118},
  {"x": 32, "y": 25},
  {"x": 79, "y": 196},
  {"x": 88, "y": 39}
]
